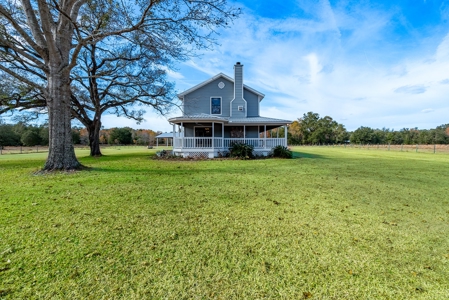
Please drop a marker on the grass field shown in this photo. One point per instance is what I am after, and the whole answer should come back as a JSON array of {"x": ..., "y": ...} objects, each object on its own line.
[{"x": 333, "y": 223}]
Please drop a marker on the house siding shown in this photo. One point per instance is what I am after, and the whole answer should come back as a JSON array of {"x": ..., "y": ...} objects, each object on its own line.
[
  {"x": 189, "y": 130},
  {"x": 252, "y": 132},
  {"x": 198, "y": 101},
  {"x": 235, "y": 108},
  {"x": 252, "y": 103}
]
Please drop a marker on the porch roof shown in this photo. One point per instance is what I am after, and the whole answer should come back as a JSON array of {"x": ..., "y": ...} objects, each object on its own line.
[
  {"x": 166, "y": 135},
  {"x": 257, "y": 120},
  {"x": 229, "y": 120}
]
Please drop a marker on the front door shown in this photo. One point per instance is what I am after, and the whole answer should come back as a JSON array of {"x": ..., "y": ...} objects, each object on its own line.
[
  {"x": 203, "y": 132},
  {"x": 203, "y": 137}
]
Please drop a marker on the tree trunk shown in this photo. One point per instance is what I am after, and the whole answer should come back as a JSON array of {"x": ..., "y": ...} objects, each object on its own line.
[
  {"x": 61, "y": 155},
  {"x": 94, "y": 137}
]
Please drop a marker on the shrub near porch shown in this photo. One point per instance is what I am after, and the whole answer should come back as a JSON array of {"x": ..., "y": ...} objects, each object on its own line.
[{"x": 333, "y": 224}]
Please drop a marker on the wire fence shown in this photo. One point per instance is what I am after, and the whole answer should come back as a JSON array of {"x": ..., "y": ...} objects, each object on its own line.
[
  {"x": 5, "y": 150},
  {"x": 433, "y": 148}
]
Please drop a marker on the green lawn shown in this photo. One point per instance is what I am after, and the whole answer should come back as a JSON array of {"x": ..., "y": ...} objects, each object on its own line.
[{"x": 330, "y": 224}]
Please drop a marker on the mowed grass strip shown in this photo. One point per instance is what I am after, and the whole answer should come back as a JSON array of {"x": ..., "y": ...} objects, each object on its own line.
[{"x": 330, "y": 224}]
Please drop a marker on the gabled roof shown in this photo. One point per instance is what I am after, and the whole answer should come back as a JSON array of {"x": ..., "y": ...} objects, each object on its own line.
[{"x": 181, "y": 95}]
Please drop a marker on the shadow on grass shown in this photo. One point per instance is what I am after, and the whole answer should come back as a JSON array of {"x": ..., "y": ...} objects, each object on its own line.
[
  {"x": 297, "y": 154},
  {"x": 114, "y": 157}
]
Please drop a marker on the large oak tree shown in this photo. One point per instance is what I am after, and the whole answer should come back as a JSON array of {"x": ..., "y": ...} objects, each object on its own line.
[{"x": 41, "y": 40}]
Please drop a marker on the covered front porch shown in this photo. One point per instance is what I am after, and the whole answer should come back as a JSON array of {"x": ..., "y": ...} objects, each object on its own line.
[{"x": 213, "y": 139}]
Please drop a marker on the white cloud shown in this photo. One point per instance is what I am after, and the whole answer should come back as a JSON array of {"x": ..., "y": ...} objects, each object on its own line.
[
  {"x": 174, "y": 74},
  {"x": 337, "y": 62},
  {"x": 411, "y": 89}
]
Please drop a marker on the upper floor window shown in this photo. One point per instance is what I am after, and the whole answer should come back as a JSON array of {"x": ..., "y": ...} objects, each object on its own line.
[{"x": 215, "y": 106}]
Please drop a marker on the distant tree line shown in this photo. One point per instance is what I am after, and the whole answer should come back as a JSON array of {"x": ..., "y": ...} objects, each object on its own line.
[
  {"x": 22, "y": 134},
  {"x": 311, "y": 129},
  {"x": 117, "y": 136},
  {"x": 406, "y": 136}
]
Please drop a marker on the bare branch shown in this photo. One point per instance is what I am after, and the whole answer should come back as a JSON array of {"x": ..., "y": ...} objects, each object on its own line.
[
  {"x": 21, "y": 78},
  {"x": 19, "y": 29},
  {"x": 47, "y": 24}
]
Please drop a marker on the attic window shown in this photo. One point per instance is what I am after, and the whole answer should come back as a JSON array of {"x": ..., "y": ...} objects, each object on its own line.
[
  {"x": 215, "y": 106},
  {"x": 240, "y": 108}
]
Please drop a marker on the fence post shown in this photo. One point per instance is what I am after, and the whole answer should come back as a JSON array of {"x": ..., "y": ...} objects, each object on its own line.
[
  {"x": 388, "y": 146},
  {"x": 416, "y": 148},
  {"x": 37, "y": 149},
  {"x": 434, "y": 148},
  {"x": 402, "y": 146},
  {"x": 20, "y": 149}
]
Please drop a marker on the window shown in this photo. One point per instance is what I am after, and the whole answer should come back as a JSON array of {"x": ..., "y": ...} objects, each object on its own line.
[{"x": 215, "y": 106}]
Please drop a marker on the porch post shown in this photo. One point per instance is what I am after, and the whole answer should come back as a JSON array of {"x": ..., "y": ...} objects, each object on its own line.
[
  {"x": 157, "y": 142},
  {"x": 244, "y": 134},
  {"x": 265, "y": 136},
  {"x": 277, "y": 133},
  {"x": 285, "y": 135},
  {"x": 182, "y": 135},
  {"x": 222, "y": 135},
  {"x": 174, "y": 134},
  {"x": 213, "y": 135}
]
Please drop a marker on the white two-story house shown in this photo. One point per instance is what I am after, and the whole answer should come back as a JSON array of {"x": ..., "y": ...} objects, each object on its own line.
[{"x": 219, "y": 112}]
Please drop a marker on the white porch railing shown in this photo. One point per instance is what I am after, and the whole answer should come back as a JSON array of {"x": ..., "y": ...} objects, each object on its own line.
[{"x": 200, "y": 142}]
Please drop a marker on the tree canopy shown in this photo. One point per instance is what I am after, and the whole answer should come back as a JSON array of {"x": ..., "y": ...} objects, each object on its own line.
[
  {"x": 312, "y": 129},
  {"x": 42, "y": 41}
]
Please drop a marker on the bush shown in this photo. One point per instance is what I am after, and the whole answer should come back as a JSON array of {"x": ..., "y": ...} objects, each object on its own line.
[
  {"x": 241, "y": 150},
  {"x": 281, "y": 152},
  {"x": 165, "y": 154}
]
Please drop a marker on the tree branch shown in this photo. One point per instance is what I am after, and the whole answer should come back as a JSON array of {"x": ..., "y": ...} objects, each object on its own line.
[
  {"x": 21, "y": 78},
  {"x": 33, "y": 24},
  {"x": 20, "y": 30}
]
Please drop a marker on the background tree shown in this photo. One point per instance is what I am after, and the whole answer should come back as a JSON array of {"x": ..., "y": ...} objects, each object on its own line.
[
  {"x": 40, "y": 42},
  {"x": 362, "y": 135},
  {"x": 341, "y": 135},
  {"x": 76, "y": 136},
  {"x": 294, "y": 133},
  {"x": 7, "y": 136},
  {"x": 31, "y": 137},
  {"x": 316, "y": 130},
  {"x": 308, "y": 125},
  {"x": 121, "y": 136},
  {"x": 115, "y": 80}
]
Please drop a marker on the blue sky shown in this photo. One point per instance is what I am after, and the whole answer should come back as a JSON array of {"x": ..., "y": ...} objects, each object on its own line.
[{"x": 364, "y": 63}]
